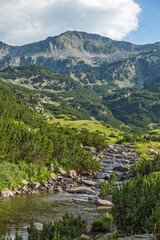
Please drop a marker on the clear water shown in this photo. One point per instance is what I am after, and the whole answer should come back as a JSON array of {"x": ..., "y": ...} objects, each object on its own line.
[{"x": 15, "y": 213}]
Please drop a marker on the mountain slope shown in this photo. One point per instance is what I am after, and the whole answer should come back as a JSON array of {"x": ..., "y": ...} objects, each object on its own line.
[
  {"x": 91, "y": 59},
  {"x": 97, "y": 78},
  {"x": 57, "y": 93}
]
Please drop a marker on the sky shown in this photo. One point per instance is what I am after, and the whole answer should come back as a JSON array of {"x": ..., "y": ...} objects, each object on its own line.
[{"x": 26, "y": 21}]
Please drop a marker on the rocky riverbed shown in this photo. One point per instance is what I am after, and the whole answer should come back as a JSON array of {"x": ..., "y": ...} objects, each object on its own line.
[
  {"x": 116, "y": 158},
  {"x": 70, "y": 190}
]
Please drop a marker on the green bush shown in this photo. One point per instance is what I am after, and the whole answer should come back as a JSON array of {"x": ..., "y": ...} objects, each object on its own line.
[
  {"x": 98, "y": 225},
  {"x": 68, "y": 228},
  {"x": 108, "y": 219},
  {"x": 12, "y": 174},
  {"x": 136, "y": 205},
  {"x": 81, "y": 238},
  {"x": 144, "y": 166},
  {"x": 106, "y": 188}
]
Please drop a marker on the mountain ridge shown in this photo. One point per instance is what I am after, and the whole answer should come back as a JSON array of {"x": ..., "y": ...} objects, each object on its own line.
[
  {"x": 87, "y": 54},
  {"x": 93, "y": 75}
]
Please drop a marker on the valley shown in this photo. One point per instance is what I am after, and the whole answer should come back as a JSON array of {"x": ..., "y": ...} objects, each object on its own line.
[{"x": 84, "y": 104}]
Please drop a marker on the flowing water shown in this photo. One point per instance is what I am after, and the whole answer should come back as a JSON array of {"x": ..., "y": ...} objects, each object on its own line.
[{"x": 15, "y": 213}]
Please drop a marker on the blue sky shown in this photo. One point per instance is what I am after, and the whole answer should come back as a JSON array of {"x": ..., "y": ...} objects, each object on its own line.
[
  {"x": 136, "y": 21},
  {"x": 149, "y": 23}
]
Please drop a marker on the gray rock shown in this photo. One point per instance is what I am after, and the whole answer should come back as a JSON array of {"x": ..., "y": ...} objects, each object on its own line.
[
  {"x": 102, "y": 202},
  {"x": 89, "y": 183},
  {"x": 59, "y": 189},
  {"x": 39, "y": 226},
  {"x": 52, "y": 167},
  {"x": 71, "y": 173},
  {"x": 80, "y": 190},
  {"x": 105, "y": 237},
  {"x": 138, "y": 237},
  {"x": 154, "y": 152},
  {"x": 102, "y": 175},
  {"x": 80, "y": 200},
  {"x": 25, "y": 189},
  {"x": 35, "y": 185},
  {"x": 24, "y": 182},
  {"x": 92, "y": 149},
  {"x": 121, "y": 168},
  {"x": 86, "y": 237},
  {"x": 53, "y": 176},
  {"x": 62, "y": 172},
  {"x": 7, "y": 193}
]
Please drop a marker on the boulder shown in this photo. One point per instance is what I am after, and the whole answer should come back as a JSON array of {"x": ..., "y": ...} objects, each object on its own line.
[
  {"x": 7, "y": 193},
  {"x": 102, "y": 202},
  {"x": 72, "y": 174},
  {"x": 51, "y": 167},
  {"x": 105, "y": 237},
  {"x": 111, "y": 227},
  {"x": 153, "y": 152},
  {"x": 121, "y": 168},
  {"x": 92, "y": 149},
  {"x": 80, "y": 200},
  {"x": 59, "y": 189},
  {"x": 62, "y": 172},
  {"x": 17, "y": 192},
  {"x": 86, "y": 237},
  {"x": 24, "y": 182},
  {"x": 89, "y": 183},
  {"x": 80, "y": 190},
  {"x": 38, "y": 226},
  {"x": 138, "y": 237},
  {"x": 34, "y": 185},
  {"x": 24, "y": 189},
  {"x": 53, "y": 176},
  {"x": 102, "y": 175}
]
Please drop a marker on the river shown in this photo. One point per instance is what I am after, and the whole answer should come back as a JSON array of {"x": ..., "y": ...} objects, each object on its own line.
[{"x": 16, "y": 212}]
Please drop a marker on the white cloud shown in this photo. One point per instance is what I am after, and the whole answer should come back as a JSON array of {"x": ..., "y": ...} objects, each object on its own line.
[{"x": 23, "y": 21}]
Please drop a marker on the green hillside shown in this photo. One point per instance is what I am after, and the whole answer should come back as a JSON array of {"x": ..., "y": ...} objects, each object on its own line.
[
  {"x": 58, "y": 93},
  {"x": 136, "y": 108}
]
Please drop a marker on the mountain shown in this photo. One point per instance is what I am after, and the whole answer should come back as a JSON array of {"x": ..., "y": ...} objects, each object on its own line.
[
  {"x": 87, "y": 76},
  {"x": 91, "y": 59}
]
